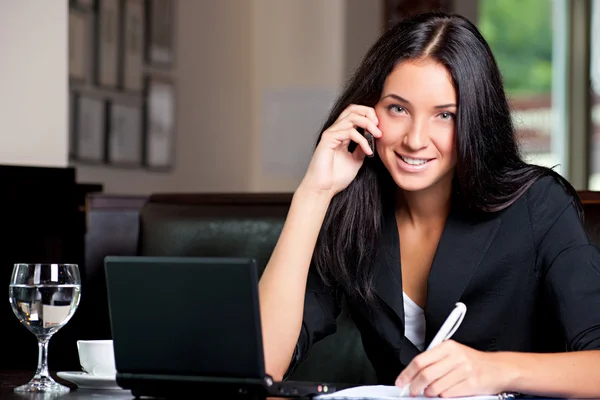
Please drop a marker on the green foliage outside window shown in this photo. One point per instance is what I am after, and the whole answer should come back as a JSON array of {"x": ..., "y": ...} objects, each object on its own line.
[{"x": 520, "y": 35}]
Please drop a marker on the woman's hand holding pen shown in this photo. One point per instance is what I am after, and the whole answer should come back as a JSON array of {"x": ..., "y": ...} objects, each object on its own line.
[
  {"x": 333, "y": 167},
  {"x": 453, "y": 370}
]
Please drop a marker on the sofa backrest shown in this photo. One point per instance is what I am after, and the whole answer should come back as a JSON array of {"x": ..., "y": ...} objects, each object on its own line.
[
  {"x": 112, "y": 228},
  {"x": 244, "y": 225},
  {"x": 591, "y": 211}
]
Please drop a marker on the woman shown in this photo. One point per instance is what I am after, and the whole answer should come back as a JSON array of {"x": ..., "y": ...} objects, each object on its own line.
[{"x": 445, "y": 210}]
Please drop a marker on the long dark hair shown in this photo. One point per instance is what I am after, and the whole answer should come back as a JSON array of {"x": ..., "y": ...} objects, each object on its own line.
[{"x": 490, "y": 174}]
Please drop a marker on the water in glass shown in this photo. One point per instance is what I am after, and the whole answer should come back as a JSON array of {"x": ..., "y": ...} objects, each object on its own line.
[{"x": 44, "y": 297}]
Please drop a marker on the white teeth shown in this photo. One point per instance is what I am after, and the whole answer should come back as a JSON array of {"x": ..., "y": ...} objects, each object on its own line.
[{"x": 413, "y": 161}]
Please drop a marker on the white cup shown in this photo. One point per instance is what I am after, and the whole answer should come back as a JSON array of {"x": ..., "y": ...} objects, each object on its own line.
[{"x": 97, "y": 357}]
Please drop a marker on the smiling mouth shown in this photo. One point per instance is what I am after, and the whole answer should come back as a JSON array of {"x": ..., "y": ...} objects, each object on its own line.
[{"x": 414, "y": 161}]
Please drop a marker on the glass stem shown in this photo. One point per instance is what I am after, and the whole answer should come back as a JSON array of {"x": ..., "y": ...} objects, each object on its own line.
[{"x": 42, "y": 367}]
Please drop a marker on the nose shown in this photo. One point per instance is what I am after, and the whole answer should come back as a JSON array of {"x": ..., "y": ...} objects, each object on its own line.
[{"x": 416, "y": 138}]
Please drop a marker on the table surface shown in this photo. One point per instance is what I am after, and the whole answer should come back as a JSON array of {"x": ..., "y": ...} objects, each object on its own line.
[{"x": 11, "y": 379}]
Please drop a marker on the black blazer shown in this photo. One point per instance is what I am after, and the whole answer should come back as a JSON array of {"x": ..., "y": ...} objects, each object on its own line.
[{"x": 529, "y": 276}]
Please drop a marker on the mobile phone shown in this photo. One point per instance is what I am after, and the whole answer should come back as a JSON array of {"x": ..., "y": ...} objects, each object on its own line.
[{"x": 370, "y": 140}]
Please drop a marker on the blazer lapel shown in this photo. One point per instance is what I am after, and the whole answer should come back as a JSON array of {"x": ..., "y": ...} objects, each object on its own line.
[
  {"x": 387, "y": 276},
  {"x": 388, "y": 282},
  {"x": 462, "y": 246}
]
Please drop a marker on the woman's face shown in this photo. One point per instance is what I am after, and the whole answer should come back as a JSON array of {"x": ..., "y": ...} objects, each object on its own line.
[{"x": 417, "y": 112}]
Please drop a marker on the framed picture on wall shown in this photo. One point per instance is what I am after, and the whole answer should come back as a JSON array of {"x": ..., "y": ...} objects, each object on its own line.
[
  {"x": 125, "y": 134},
  {"x": 108, "y": 41},
  {"x": 72, "y": 112},
  {"x": 159, "y": 123},
  {"x": 133, "y": 45},
  {"x": 84, "y": 4},
  {"x": 90, "y": 126},
  {"x": 396, "y": 10},
  {"x": 159, "y": 51},
  {"x": 78, "y": 45}
]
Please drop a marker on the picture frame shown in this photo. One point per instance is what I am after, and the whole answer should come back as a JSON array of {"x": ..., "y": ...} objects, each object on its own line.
[
  {"x": 78, "y": 45},
  {"x": 159, "y": 138},
  {"x": 160, "y": 22},
  {"x": 132, "y": 57},
  {"x": 396, "y": 10},
  {"x": 108, "y": 31},
  {"x": 73, "y": 99},
  {"x": 125, "y": 134},
  {"x": 90, "y": 126},
  {"x": 84, "y": 4}
]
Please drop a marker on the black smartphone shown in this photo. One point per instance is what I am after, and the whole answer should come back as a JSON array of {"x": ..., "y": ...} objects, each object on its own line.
[{"x": 370, "y": 140}]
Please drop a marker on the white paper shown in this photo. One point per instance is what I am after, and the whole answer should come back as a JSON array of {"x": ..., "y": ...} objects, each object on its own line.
[{"x": 381, "y": 392}]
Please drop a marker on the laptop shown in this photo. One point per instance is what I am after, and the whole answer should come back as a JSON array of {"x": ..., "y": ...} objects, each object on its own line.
[{"x": 191, "y": 324}]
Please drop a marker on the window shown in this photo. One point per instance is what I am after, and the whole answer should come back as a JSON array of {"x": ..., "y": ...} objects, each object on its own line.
[
  {"x": 594, "y": 183},
  {"x": 528, "y": 38}
]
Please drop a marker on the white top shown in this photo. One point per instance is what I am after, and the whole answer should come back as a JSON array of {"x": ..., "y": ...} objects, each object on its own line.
[{"x": 414, "y": 322}]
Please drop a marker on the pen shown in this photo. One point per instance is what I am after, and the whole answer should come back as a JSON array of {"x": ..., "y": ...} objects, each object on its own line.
[
  {"x": 446, "y": 331},
  {"x": 450, "y": 325}
]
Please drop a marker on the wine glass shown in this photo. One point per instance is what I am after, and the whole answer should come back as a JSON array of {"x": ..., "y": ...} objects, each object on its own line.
[{"x": 44, "y": 297}]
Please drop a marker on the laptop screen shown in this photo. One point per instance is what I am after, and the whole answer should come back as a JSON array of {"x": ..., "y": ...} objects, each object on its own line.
[{"x": 185, "y": 316}]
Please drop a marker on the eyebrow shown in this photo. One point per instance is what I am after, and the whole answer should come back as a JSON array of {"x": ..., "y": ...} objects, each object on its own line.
[{"x": 403, "y": 100}]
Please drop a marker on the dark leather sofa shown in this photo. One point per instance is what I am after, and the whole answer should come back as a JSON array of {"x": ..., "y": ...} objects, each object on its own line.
[{"x": 245, "y": 225}]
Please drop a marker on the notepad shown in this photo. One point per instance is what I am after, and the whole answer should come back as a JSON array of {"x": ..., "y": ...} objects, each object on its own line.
[{"x": 382, "y": 392}]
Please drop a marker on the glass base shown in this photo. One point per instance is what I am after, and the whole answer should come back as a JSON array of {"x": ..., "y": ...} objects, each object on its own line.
[{"x": 42, "y": 385}]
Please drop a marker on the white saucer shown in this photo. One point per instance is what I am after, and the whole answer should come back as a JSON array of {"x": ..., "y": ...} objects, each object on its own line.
[{"x": 83, "y": 380}]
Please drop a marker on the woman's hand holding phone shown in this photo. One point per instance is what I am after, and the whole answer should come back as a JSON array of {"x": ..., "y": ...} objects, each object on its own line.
[{"x": 332, "y": 167}]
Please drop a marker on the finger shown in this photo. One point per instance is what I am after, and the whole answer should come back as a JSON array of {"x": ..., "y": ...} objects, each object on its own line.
[
  {"x": 359, "y": 154},
  {"x": 458, "y": 388},
  {"x": 363, "y": 144},
  {"x": 365, "y": 111},
  {"x": 356, "y": 120},
  {"x": 420, "y": 362},
  {"x": 371, "y": 142},
  {"x": 343, "y": 137},
  {"x": 368, "y": 112},
  {"x": 447, "y": 384},
  {"x": 445, "y": 369}
]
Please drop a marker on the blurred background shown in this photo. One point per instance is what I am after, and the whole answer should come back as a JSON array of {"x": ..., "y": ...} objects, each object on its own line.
[{"x": 228, "y": 95}]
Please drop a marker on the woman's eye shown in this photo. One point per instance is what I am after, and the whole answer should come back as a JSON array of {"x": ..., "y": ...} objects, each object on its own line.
[
  {"x": 447, "y": 115},
  {"x": 396, "y": 109}
]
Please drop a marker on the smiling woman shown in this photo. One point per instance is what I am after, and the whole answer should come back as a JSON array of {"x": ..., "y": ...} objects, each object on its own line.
[{"x": 446, "y": 210}]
